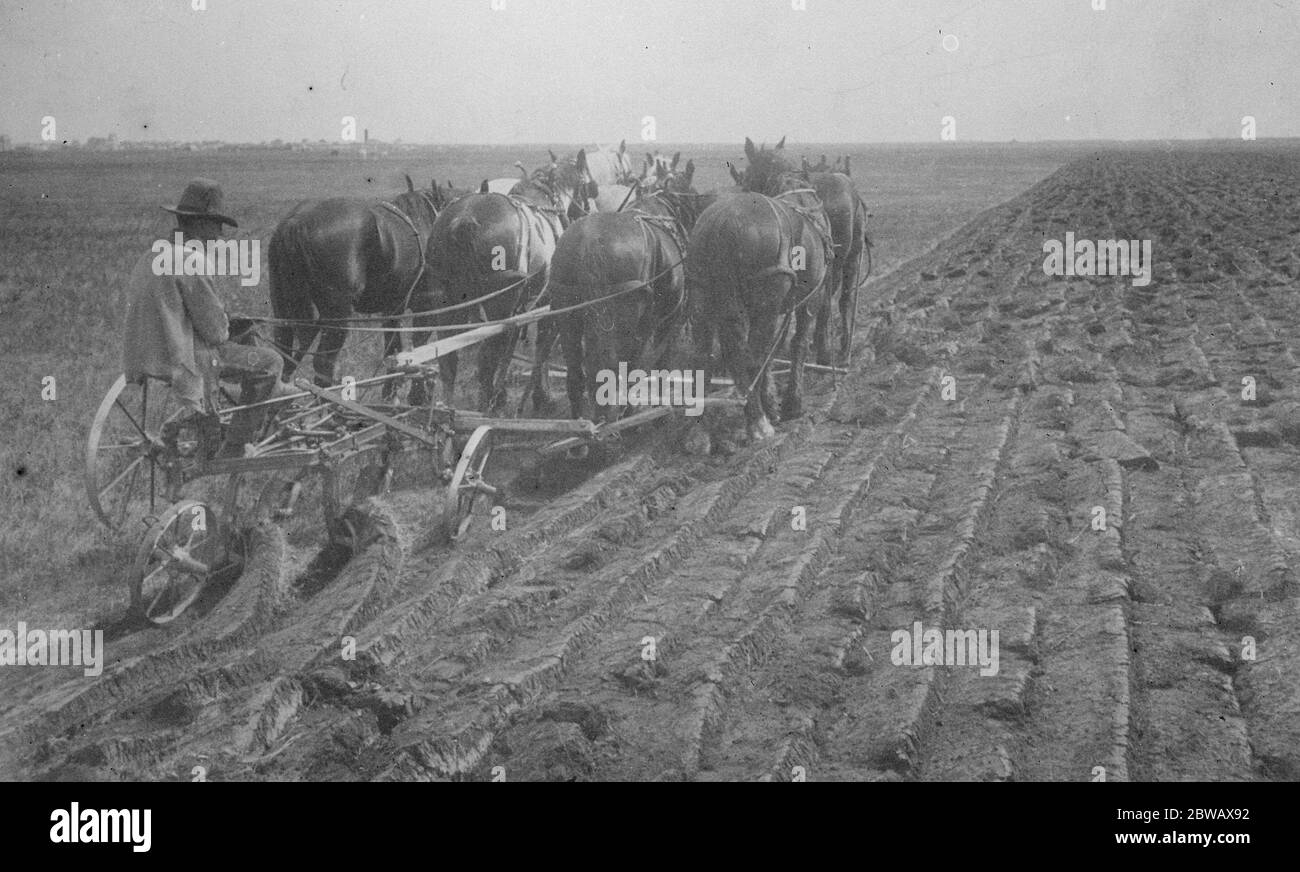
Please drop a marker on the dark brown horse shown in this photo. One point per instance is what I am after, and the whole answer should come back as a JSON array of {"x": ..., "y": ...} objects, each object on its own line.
[
  {"x": 755, "y": 263},
  {"x": 493, "y": 252},
  {"x": 330, "y": 259},
  {"x": 634, "y": 261},
  {"x": 768, "y": 172}
]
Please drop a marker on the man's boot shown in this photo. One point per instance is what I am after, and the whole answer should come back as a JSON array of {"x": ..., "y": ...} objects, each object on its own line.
[{"x": 243, "y": 429}]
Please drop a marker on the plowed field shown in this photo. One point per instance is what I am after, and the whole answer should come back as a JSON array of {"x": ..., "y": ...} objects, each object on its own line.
[{"x": 666, "y": 616}]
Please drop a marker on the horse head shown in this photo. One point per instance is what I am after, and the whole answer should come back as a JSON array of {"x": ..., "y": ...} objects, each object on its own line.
[
  {"x": 624, "y": 160},
  {"x": 764, "y": 167},
  {"x": 559, "y": 186},
  {"x": 668, "y": 177}
]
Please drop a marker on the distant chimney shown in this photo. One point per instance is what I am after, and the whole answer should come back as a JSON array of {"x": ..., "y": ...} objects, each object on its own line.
[{"x": 367, "y": 134}]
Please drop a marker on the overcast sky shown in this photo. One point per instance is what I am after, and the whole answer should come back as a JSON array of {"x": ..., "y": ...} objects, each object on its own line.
[{"x": 706, "y": 70}]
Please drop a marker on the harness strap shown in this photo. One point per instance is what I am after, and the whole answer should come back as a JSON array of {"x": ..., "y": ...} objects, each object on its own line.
[{"x": 419, "y": 243}]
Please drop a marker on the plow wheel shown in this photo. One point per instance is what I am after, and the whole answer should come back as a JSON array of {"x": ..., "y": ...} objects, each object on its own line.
[
  {"x": 129, "y": 465},
  {"x": 467, "y": 487},
  {"x": 181, "y": 552}
]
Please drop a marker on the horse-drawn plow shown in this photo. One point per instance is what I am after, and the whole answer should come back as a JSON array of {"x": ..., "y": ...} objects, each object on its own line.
[{"x": 144, "y": 457}]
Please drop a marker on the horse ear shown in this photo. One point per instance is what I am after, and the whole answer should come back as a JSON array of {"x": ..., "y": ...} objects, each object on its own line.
[
  {"x": 581, "y": 163},
  {"x": 483, "y": 188},
  {"x": 554, "y": 159},
  {"x": 735, "y": 174},
  {"x": 410, "y": 186},
  {"x": 676, "y": 158},
  {"x": 749, "y": 148},
  {"x": 847, "y": 171},
  {"x": 622, "y": 146},
  {"x": 780, "y": 145}
]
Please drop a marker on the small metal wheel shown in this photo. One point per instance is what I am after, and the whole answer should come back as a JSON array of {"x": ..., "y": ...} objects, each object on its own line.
[
  {"x": 467, "y": 486},
  {"x": 131, "y": 453},
  {"x": 178, "y": 556}
]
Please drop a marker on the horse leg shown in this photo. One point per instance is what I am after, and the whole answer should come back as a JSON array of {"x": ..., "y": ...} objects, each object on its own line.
[
  {"x": 547, "y": 334},
  {"x": 824, "y": 314},
  {"x": 392, "y": 345},
  {"x": 493, "y": 363},
  {"x": 510, "y": 340},
  {"x": 848, "y": 314},
  {"x": 792, "y": 405},
  {"x": 448, "y": 364},
  {"x": 744, "y": 369},
  {"x": 419, "y": 395},
  {"x": 286, "y": 339},
  {"x": 575, "y": 381},
  {"x": 327, "y": 353},
  {"x": 762, "y": 334},
  {"x": 422, "y": 301},
  {"x": 291, "y": 301}
]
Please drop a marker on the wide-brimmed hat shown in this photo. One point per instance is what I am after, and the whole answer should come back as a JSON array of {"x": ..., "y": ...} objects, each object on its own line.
[{"x": 202, "y": 199}]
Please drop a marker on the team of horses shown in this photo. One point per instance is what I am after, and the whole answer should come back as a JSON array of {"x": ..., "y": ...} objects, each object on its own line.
[{"x": 631, "y": 263}]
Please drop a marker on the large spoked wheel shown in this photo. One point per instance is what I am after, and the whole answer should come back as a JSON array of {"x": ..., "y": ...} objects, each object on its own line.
[
  {"x": 179, "y": 555},
  {"x": 467, "y": 488},
  {"x": 127, "y": 461}
]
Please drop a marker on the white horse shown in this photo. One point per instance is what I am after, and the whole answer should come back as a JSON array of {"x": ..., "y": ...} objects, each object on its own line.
[
  {"x": 506, "y": 185},
  {"x": 606, "y": 166}
]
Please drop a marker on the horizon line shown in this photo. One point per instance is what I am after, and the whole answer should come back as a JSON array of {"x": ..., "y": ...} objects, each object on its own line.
[{"x": 648, "y": 145}]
